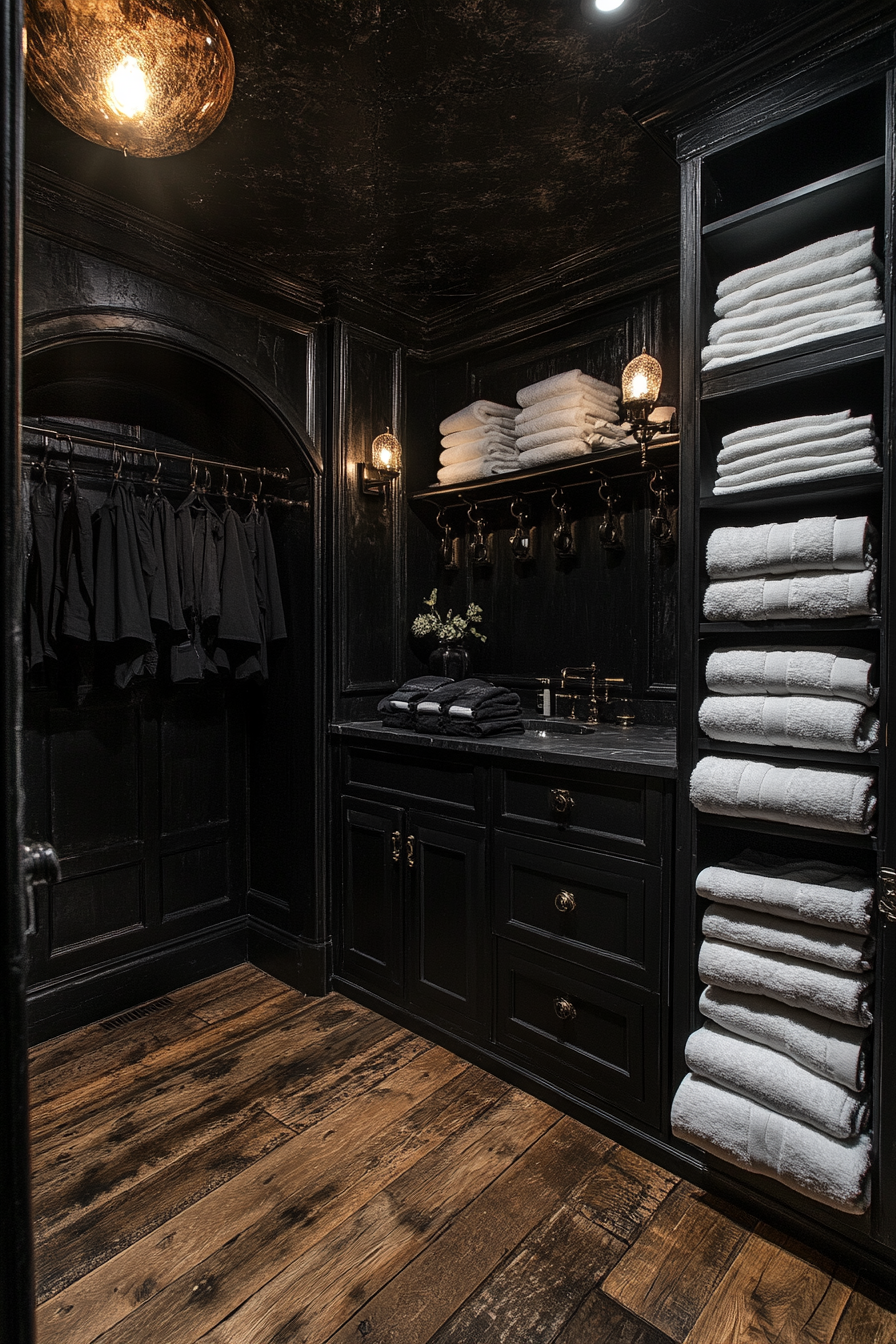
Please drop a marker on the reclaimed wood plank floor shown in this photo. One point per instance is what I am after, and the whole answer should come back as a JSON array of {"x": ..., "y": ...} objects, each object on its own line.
[{"x": 248, "y": 1166}]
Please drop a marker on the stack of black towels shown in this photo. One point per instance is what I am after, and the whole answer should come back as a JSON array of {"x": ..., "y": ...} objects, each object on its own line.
[{"x": 438, "y": 706}]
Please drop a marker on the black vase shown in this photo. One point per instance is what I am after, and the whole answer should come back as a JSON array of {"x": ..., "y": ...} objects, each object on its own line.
[{"x": 449, "y": 659}]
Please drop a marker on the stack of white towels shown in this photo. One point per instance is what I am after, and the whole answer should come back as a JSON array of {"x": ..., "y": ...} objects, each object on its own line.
[
  {"x": 778, "y": 1080},
  {"x": 567, "y": 415},
  {"x": 817, "y": 568},
  {"x": 826, "y": 289},
  {"x": 479, "y": 440},
  {"x": 816, "y": 698},
  {"x": 790, "y": 452}
]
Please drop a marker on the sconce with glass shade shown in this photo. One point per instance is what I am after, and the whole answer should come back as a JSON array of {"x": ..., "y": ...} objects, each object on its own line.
[
  {"x": 382, "y": 466},
  {"x": 149, "y": 77},
  {"x": 641, "y": 382}
]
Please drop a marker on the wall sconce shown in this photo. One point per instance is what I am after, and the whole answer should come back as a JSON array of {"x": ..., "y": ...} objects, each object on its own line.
[
  {"x": 383, "y": 465},
  {"x": 151, "y": 79},
  {"x": 641, "y": 380}
]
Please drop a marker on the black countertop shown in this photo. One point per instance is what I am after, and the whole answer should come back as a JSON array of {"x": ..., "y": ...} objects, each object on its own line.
[{"x": 642, "y": 749}]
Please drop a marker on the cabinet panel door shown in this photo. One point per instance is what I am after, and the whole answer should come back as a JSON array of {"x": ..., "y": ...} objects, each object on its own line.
[
  {"x": 372, "y": 861},
  {"x": 447, "y": 919}
]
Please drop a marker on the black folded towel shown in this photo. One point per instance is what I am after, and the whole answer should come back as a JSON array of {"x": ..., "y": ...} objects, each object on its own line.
[
  {"x": 398, "y": 708},
  {"x": 466, "y": 702},
  {"x": 484, "y": 728}
]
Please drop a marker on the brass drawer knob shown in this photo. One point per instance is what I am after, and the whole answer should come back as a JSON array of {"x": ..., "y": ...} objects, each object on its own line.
[
  {"x": 562, "y": 802},
  {"x": 565, "y": 902},
  {"x": 565, "y": 1010}
]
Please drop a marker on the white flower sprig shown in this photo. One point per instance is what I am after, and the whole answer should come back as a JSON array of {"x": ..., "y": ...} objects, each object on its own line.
[{"x": 453, "y": 627}]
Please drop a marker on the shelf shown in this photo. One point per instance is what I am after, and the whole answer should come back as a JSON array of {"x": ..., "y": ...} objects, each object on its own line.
[
  {"x": 754, "y": 629},
  {"x": 809, "y": 834},
  {"x": 854, "y": 198},
  {"x": 789, "y": 755},
  {"x": 613, "y": 464},
  {"x": 809, "y": 360},
  {"x": 835, "y": 488}
]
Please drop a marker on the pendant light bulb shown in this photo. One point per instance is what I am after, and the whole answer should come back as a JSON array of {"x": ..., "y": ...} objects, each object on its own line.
[{"x": 127, "y": 90}]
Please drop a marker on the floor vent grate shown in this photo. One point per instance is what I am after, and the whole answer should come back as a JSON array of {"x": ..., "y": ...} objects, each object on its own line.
[{"x": 135, "y": 1014}]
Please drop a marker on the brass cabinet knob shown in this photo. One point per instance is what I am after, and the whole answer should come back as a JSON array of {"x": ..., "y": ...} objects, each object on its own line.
[
  {"x": 410, "y": 849},
  {"x": 565, "y": 902},
  {"x": 396, "y": 846},
  {"x": 565, "y": 1010},
  {"x": 562, "y": 802}
]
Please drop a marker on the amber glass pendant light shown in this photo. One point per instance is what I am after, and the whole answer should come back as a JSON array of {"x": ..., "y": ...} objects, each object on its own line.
[
  {"x": 149, "y": 77},
  {"x": 641, "y": 382}
]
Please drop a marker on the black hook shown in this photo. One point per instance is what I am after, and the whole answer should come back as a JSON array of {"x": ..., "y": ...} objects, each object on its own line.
[
  {"x": 447, "y": 549},
  {"x": 610, "y": 530},
  {"x": 116, "y": 462},
  {"x": 562, "y": 537},
  {"x": 661, "y": 526},
  {"x": 479, "y": 549},
  {"x": 521, "y": 537},
  {"x": 194, "y": 473}
]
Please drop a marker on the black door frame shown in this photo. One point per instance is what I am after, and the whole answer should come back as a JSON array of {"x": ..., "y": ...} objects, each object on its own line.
[{"x": 16, "y": 1263}]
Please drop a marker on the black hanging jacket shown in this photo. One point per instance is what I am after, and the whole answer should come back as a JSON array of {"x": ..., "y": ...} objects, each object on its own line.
[
  {"x": 41, "y": 573},
  {"x": 125, "y": 570}
]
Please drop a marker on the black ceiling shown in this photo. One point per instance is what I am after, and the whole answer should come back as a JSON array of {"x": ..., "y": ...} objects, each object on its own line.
[{"x": 428, "y": 149}]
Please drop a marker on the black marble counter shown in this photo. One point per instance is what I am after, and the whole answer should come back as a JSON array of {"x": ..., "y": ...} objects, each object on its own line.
[{"x": 642, "y": 749}]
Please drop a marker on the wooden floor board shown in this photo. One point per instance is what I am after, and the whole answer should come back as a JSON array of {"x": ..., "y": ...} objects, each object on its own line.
[{"x": 247, "y": 1166}]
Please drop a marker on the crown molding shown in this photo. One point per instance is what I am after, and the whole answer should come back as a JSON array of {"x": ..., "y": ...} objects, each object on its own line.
[{"x": 73, "y": 214}]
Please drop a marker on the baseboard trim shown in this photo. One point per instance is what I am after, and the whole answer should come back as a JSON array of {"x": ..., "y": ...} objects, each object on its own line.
[
  {"x": 275, "y": 952},
  {"x": 87, "y": 996}
]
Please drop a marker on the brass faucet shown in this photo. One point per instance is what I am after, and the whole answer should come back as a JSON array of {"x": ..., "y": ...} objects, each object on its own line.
[{"x": 598, "y": 690}]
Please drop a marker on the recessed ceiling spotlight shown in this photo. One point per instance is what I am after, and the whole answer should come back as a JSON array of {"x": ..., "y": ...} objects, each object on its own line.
[{"x": 606, "y": 6}]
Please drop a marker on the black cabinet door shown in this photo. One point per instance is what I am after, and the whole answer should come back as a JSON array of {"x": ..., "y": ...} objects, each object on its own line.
[
  {"x": 447, "y": 919},
  {"x": 373, "y": 858}
]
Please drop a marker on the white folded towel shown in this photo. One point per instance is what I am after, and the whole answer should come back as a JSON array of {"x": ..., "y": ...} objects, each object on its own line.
[
  {"x": 807, "y": 942},
  {"x": 575, "y": 418},
  {"x": 450, "y": 457},
  {"x": 476, "y": 414},
  {"x": 816, "y": 544},
  {"x": 843, "y": 287},
  {"x": 551, "y": 436},
  {"x": 478, "y": 467},
  {"x": 800, "y": 597},
  {"x": 574, "y": 380},
  {"x": 583, "y": 400},
  {"x": 857, "y": 467},
  {"x": 830, "y": 1049},
  {"x": 773, "y": 433},
  {"x": 824, "y": 799},
  {"x": 835, "y": 671},
  {"x": 836, "y": 246},
  {"x": 808, "y": 721},
  {"x": 790, "y": 272},
  {"x": 781, "y": 448},
  {"x": 811, "y": 891},
  {"x": 493, "y": 429},
  {"x": 770, "y": 472},
  {"x": 719, "y": 356},
  {"x": 839, "y": 995},
  {"x": 775, "y": 1080},
  {"x": 757, "y": 326},
  {"x": 832, "y": 1171},
  {"x": 553, "y": 452},
  {"x": 860, "y": 287}
]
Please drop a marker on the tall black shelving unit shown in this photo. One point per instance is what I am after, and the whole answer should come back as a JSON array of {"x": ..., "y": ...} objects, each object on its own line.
[{"x": 807, "y": 156}]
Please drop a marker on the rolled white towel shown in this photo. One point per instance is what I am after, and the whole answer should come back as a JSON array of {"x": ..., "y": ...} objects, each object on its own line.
[
  {"x": 718, "y": 356},
  {"x": 811, "y": 891},
  {"x": 450, "y": 457},
  {"x": 808, "y": 721},
  {"x": 839, "y": 995},
  {"x": 474, "y": 470},
  {"x": 863, "y": 288},
  {"x": 849, "y": 435},
  {"x": 836, "y": 246},
  {"x": 775, "y": 1080},
  {"x": 830, "y": 1049},
  {"x": 573, "y": 380},
  {"x": 771, "y": 470},
  {"x": 816, "y": 544},
  {"x": 477, "y": 413},
  {"x": 576, "y": 418},
  {"x": 731, "y": 331},
  {"x": 834, "y": 1172},
  {"x": 551, "y": 436},
  {"x": 839, "y": 287},
  {"x": 807, "y": 942},
  {"x": 858, "y": 466},
  {"x": 800, "y": 597},
  {"x": 834, "y": 671},
  {"x": 773, "y": 433},
  {"x": 825, "y": 799},
  {"x": 576, "y": 400},
  {"x": 553, "y": 452}
]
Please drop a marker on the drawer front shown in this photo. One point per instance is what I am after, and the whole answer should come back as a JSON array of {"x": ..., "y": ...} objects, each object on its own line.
[
  {"x": 604, "y": 912},
  {"x": 449, "y": 781},
  {"x": 606, "y": 1050},
  {"x": 618, "y": 813}
]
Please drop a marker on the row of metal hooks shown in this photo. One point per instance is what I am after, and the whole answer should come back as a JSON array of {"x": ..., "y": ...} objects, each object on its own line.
[{"x": 522, "y": 538}]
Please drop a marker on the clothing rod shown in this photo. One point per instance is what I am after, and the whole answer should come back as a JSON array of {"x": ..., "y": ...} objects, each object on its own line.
[{"x": 276, "y": 473}]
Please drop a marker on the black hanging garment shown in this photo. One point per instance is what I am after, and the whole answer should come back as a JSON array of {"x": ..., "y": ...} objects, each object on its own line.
[
  {"x": 240, "y": 638},
  {"x": 125, "y": 571},
  {"x": 199, "y": 540},
  {"x": 72, "y": 613},
  {"x": 41, "y": 576},
  {"x": 257, "y": 528},
  {"x": 165, "y": 597}
]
